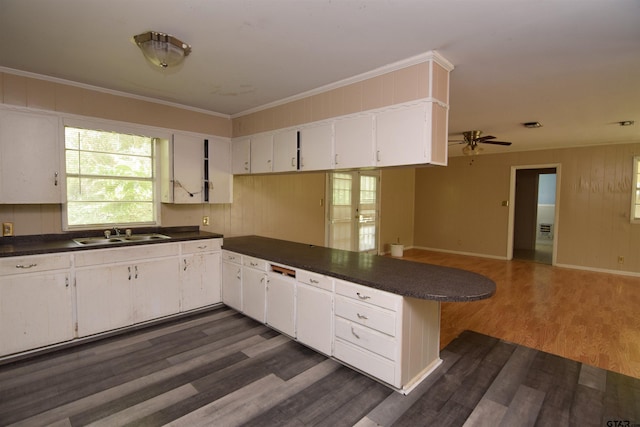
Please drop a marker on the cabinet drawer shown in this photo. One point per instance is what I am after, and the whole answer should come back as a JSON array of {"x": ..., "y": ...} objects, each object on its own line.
[
  {"x": 369, "y": 295},
  {"x": 34, "y": 263},
  {"x": 366, "y": 338},
  {"x": 125, "y": 254},
  {"x": 367, "y": 315},
  {"x": 365, "y": 361},
  {"x": 258, "y": 264},
  {"x": 206, "y": 245},
  {"x": 314, "y": 279},
  {"x": 232, "y": 257}
]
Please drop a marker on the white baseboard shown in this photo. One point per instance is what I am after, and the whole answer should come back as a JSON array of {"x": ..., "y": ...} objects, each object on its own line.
[{"x": 461, "y": 253}]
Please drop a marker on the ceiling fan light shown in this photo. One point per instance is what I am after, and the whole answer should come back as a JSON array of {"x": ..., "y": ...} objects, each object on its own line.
[
  {"x": 532, "y": 125},
  {"x": 162, "y": 50}
]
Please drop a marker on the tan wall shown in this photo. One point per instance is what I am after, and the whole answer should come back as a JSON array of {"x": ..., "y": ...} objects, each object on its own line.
[
  {"x": 458, "y": 208},
  {"x": 46, "y": 95},
  {"x": 397, "y": 197},
  {"x": 395, "y": 87}
]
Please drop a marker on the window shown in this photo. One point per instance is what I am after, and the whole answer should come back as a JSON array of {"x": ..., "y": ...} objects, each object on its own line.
[
  {"x": 110, "y": 178},
  {"x": 635, "y": 199}
]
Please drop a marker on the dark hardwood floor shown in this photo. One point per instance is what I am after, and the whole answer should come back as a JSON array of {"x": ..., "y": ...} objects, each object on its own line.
[{"x": 221, "y": 369}]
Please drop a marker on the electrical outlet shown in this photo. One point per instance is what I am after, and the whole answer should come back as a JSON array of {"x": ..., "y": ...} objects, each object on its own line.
[
  {"x": 7, "y": 229},
  {"x": 205, "y": 220},
  {"x": 620, "y": 259}
]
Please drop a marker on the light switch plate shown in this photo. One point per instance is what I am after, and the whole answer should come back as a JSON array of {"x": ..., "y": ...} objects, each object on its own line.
[{"x": 7, "y": 229}]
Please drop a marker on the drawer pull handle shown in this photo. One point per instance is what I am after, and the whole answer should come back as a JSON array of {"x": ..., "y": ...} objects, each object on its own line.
[
  {"x": 136, "y": 268},
  {"x": 314, "y": 281},
  {"x": 361, "y": 316},
  {"x": 185, "y": 264},
  {"x": 354, "y": 333},
  {"x": 362, "y": 296},
  {"x": 253, "y": 264},
  {"x": 129, "y": 268},
  {"x": 202, "y": 247},
  {"x": 26, "y": 266}
]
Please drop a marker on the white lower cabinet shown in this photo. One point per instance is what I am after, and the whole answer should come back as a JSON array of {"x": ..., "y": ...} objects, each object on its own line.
[
  {"x": 118, "y": 287},
  {"x": 314, "y": 311},
  {"x": 232, "y": 279},
  {"x": 393, "y": 338},
  {"x": 200, "y": 274},
  {"x": 254, "y": 285},
  {"x": 36, "y": 302},
  {"x": 280, "y": 303}
]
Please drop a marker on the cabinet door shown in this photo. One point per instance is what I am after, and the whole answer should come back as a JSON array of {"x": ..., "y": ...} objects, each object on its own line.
[
  {"x": 104, "y": 299},
  {"x": 314, "y": 318},
  {"x": 30, "y": 161},
  {"x": 285, "y": 151},
  {"x": 401, "y": 136},
  {"x": 253, "y": 293},
  {"x": 232, "y": 285},
  {"x": 261, "y": 153},
  {"x": 200, "y": 280},
  {"x": 156, "y": 289},
  {"x": 188, "y": 155},
  {"x": 281, "y": 303},
  {"x": 240, "y": 156},
  {"x": 220, "y": 178},
  {"x": 316, "y": 147},
  {"x": 35, "y": 310},
  {"x": 354, "y": 142}
]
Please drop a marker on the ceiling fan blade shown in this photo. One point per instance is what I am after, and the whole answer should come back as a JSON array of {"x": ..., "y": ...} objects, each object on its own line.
[
  {"x": 495, "y": 142},
  {"x": 457, "y": 142},
  {"x": 484, "y": 138}
]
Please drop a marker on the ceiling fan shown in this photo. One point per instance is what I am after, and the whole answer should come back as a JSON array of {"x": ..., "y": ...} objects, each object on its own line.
[{"x": 472, "y": 138}]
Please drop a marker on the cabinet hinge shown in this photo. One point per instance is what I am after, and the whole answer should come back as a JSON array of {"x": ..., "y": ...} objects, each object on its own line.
[{"x": 76, "y": 327}]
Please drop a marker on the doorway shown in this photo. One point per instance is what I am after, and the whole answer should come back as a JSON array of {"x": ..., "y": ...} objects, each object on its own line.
[
  {"x": 534, "y": 213},
  {"x": 352, "y": 210}
]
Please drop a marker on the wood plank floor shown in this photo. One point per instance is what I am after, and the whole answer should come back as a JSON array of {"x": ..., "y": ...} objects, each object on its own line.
[{"x": 221, "y": 369}]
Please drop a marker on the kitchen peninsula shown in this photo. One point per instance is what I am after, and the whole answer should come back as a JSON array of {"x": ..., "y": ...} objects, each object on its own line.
[{"x": 377, "y": 314}]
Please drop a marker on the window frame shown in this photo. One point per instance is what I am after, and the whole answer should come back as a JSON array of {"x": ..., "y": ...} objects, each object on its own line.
[
  {"x": 635, "y": 186},
  {"x": 125, "y": 128}
]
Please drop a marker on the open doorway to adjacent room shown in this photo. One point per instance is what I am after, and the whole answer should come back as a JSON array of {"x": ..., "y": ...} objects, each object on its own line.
[{"x": 533, "y": 213}]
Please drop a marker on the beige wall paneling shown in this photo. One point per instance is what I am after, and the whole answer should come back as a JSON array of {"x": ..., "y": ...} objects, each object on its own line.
[
  {"x": 458, "y": 207},
  {"x": 397, "y": 207}
]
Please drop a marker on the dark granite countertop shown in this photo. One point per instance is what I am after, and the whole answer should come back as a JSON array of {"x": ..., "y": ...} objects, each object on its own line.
[
  {"x": 402, "y": 277},
  {"x": 51, "y": 243}
]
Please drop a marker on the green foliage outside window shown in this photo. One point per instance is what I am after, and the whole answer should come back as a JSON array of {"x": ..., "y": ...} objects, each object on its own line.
[{"x": 110, "y": 178}]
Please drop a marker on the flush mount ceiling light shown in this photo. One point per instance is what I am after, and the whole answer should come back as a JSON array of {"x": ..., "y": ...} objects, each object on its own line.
[
  {"x": 626, "y": 123},
  {"x": 163, "y": 50},
  {"x": 532, "y": 125}
]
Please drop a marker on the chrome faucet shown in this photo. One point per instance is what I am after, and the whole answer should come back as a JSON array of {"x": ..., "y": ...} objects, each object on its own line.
[{"x": 117, "y": 230}]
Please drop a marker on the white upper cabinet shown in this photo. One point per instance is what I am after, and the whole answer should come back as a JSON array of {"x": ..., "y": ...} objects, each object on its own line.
[
  {"x": 241, "y": 156},
  {"x": 401, "y": 135},
  {"x": 262, "y": 153},
  {"x": 316, "y": 147},
  {"x": 200, "y": 170},
  {"x": 220, "y": 178},
  {"x": 30, "y": 161},
  {"x": 285, "y": 151},
  {"x": 354, "y": 142}
]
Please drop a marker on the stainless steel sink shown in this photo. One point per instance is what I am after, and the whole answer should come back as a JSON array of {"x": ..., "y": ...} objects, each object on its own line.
[{"x": 85, "y": 241}]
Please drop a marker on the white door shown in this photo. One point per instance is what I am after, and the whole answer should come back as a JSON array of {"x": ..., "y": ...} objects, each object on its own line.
[
  {"x": 401, "y": 135},
  {"x": 104, "y": 299},
  {"x": 354, "y": 142},
  {"x": 220, "y": 178},
  {"x": 262, "y": 153},
  {"x": 200, "y": 280},
  {"x": 35, "y": 310},
  {"x": 316, "y": 147},
  {"x": 241, "y": 156},
  {"x": 156, "y": 289},
  {"x": 281, "y": 303},
  {"x": 285, "y": 151},
  {"x": 188, "y": 157},
  {"x": 29, "y": 158},
  {"x": 314, "y": 315},
  {"x": 353, "y": 207},
  {"x": 232, "y": 285},
  {"x": 254, "y": 284}
]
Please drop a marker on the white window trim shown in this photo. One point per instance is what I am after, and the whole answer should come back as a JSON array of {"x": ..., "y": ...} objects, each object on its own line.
[{"x": 110, "y": 126}]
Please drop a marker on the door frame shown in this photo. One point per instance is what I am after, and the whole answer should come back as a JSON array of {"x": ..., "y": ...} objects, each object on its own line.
[{"x": 512, "y": 198}]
